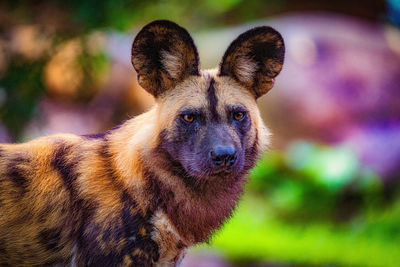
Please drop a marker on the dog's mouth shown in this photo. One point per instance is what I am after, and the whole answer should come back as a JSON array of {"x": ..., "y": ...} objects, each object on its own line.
[
  {"x": 213, "y": 172},
  {"x": 222, "y": 172}
]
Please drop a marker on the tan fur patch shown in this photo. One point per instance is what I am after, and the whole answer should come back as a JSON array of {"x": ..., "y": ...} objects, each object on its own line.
[
  {"x": 192, "y": 92},
  {"x": 245, "y": 69},
  {"x": 173, "y": 63},
  {"x": 168, "y": 238}
]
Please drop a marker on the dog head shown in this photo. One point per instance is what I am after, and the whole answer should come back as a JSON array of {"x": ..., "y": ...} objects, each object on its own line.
[{"x": 209, "y": 123}]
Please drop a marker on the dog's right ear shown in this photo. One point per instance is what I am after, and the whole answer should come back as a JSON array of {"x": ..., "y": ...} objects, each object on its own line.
[
  {"x": 163, "y": 54},
  {"x": 254, "y": 59}
]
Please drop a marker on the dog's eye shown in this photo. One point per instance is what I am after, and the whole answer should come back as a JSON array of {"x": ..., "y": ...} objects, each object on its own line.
[
  {"x": 238, "y": 116},
  {"x": 188, "y": 118}
]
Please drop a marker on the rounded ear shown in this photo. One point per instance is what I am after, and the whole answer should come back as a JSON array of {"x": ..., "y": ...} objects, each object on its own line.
[
  {"x": 254, "y": 59},
  {"x": 163, "y": 54}
]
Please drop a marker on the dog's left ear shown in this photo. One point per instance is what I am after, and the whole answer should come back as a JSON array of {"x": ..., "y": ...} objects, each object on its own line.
[
  {"x": 163, "y": 54},
  {"x": 254, "y": 59}
]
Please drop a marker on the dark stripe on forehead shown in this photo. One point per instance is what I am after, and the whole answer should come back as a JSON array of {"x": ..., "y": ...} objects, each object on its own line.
[{"x": 212, "y": 101}]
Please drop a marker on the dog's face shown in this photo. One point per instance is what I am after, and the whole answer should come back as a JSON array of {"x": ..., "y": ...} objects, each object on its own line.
[{"x": 209, "y": 121}]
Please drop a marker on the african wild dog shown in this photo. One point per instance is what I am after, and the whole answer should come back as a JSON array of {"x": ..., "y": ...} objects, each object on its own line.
[{"x": 141, "y": 193}]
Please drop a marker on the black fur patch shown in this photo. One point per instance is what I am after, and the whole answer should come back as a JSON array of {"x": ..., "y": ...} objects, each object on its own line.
[
  {"x": 174, "y": 166},
  {"x": 213, "y": 101},
  {"x": 242, "y": 127},
  {"x": 66, "y": 168},
  {"x": 16, "y": 174},
  {"x": 180, "y": 245},
  {"x": 3, "y": 250},
  {"x": 251, "y": 155},
  {"x": 56, "y": 262},
  {"x": 105, "y": 154},
  {"x": 86, "y": 238},
  {"x": 51, "y": 238},
  {"x": 91, "y": 251},
  {"x": 133, "y": 223}
]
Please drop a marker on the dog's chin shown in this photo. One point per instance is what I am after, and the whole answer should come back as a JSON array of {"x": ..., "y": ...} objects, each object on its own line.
[
  {"x": 209, "y": 174},
  {"x": 222, "y": 174}
]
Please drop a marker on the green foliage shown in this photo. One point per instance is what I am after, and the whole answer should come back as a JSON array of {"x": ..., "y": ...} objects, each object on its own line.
[
  {"x": 319, "y": 182},
  {"x": 77, "y": 17},
  {"x": 21, "y": 87},
  {"x": 254, "y": 234}
]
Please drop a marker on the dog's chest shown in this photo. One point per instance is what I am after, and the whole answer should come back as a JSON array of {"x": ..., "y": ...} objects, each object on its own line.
[{"x": 171, "y": 246}]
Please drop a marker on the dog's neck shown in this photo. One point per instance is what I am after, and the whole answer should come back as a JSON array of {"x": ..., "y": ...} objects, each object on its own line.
[{"x": 196, "y": 208}]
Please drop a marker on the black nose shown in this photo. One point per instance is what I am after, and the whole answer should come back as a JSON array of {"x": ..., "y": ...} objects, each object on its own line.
[{"x": 223, "y": 155}]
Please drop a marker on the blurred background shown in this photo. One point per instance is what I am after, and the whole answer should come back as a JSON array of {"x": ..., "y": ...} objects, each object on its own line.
[{"x": 328, "y": 191}]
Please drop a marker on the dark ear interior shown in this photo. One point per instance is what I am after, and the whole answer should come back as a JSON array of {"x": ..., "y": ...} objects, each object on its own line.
[
  {"x": 163, "y": 54},
  {"x": 254, "y": 59}
]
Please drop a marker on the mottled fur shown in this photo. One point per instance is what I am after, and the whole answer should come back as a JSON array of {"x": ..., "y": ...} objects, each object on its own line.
[{"x": 141, "y": 193}]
